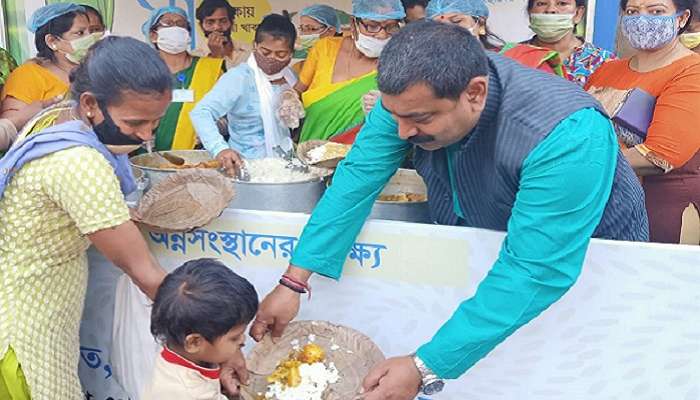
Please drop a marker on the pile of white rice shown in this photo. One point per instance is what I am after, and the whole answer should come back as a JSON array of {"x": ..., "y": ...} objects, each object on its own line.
[
  {"x": 327, "y": 151},
  {"x": 315, "y": 379},
  {"x": 274, "y": 170}
]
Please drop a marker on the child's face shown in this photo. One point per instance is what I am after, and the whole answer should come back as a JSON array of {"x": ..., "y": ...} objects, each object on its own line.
[{"x": 226, "y": 347}]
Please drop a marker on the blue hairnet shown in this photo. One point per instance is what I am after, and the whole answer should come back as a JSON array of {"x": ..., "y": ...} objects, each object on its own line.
[
  {"x": 378, "y": 10},
  {"x": 45, "y": 14},
  {"x": 473, "y": 8},
  {"x": 155, "y": 16},
  {"x": 323, "y": 14}
]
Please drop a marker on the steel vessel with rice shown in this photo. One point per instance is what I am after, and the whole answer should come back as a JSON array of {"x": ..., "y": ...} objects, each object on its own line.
[{"x": 270, "y": 188}]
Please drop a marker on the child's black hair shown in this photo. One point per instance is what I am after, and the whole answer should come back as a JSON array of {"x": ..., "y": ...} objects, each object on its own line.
[{"x": 202, "y": 296}]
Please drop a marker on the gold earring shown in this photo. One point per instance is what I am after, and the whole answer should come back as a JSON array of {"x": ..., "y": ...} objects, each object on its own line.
[{"x": 89, "y": 114}]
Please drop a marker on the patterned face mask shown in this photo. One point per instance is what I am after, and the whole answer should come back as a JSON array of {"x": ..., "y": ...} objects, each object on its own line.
[{"x": 649, "y": 32}]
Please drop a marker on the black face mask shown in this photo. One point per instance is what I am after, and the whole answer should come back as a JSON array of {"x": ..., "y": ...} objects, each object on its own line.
[{"x": 109, "y": 133}]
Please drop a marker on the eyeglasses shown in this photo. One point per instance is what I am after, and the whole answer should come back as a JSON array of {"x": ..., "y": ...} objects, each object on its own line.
[
  {"x": 179, "y": 23},
  {"x": 372, "y": 27},
  {"x": 311, "y": 29}
]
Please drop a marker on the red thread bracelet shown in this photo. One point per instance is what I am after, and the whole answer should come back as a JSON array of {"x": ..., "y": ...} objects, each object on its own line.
[{"x": 298, "y": 283}]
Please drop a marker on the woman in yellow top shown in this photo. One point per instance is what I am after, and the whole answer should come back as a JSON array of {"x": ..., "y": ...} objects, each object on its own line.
[
  {"x": 340, "y": 70},
  {"x": 61, "y": 39},
  {"x": 64, "y": 191},
  {"x": 193, "y": 77}
]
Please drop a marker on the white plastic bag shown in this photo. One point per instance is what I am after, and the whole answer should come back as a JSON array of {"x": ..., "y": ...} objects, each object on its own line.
[{"x": 134, "y": 350}]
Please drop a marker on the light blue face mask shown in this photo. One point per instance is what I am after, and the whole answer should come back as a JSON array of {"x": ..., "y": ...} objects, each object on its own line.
[{"x": 649, "y": 32}]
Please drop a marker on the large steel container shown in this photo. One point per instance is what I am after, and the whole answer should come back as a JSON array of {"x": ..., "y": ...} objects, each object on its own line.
[
  {"x": 290, "y": 197},
  {"x": 404, "y": 181}
]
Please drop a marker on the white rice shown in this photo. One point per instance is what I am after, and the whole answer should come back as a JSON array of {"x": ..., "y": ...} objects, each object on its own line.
[
  {"x": 315, "y": 378},
  {"x": 274, "y": 170}
]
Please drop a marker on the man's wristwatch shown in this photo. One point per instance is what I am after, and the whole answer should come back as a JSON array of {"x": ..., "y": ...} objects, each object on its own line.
[{"x": 431, "y": 384}]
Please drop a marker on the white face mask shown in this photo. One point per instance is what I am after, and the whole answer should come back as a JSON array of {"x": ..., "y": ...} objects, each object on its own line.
[
  {"x": 370, "y": 46},
  {"x": 173, "y": 39}
]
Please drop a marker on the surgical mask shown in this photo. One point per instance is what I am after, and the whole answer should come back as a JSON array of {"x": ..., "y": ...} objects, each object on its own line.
[
  {"x": 551, "y": 28},
  {"x": 271, "y": 67},
  {"x": 308, "y": 41},
  {"x": 81, "y": 46},
  {"x": 173, "y": 39},
  {"x": 112, "y": 137},
  {"x": 690, "y": 40},
  {"x": 370, "y": 46},
  {"x": 649, "y": 32}
]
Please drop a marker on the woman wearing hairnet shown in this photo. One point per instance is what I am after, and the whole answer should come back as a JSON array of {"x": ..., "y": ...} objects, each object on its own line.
[
  {"x": 316, "y": 22},
  {"x": 339, "y": 71},
  {"x": 469, "y": 14},
  {"x": 62, "y": 39},
  {"x": 169, "y": 31}
]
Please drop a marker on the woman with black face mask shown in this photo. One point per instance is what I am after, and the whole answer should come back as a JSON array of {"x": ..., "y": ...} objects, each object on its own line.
[
  {"x": 250, "y": 96},
  {"x": 62, "y": 187}
]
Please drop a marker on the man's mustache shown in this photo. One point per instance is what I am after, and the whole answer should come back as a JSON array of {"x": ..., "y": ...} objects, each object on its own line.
[{"x": 420, "y": 139}]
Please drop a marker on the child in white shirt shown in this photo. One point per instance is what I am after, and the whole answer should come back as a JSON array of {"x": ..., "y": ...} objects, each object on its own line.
[{"x": 200, "y": 314}]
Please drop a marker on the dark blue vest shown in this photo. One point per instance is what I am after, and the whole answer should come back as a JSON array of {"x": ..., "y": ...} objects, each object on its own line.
[{"x": 523, "y": 106}]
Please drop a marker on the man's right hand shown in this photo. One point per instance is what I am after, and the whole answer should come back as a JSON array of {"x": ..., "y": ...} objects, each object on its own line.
[
  {"x": 278, "y": 308},
  {"x": 230, "y": 160},
  {"x": 217, "y": 43}
]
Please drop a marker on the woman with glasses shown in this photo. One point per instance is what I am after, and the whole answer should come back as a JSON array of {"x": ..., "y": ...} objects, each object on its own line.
[
  {"x": 169, "y": 31},
  {"x": 316, "y": 22},
  {"x": 339, "y": 71}
]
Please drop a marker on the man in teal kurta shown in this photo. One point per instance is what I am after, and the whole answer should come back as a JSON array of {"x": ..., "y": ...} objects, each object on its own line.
[{"x": 495, "y": 153}]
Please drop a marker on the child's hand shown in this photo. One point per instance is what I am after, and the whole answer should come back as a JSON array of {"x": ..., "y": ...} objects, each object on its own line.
[{"x": 234, "y": 373}]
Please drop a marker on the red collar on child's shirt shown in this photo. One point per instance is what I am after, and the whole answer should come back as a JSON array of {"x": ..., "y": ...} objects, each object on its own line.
[{"x": 174, "y": 358}]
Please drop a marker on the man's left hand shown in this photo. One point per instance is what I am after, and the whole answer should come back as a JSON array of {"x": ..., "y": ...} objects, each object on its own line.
[{"x": 392, "y": 379}]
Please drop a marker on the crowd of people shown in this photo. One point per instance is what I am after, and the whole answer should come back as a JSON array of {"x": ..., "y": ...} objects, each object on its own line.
[{"x": 565, "y": 141}]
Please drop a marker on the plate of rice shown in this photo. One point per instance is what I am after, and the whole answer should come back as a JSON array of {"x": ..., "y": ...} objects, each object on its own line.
[{"x": 313, "y": 360}]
